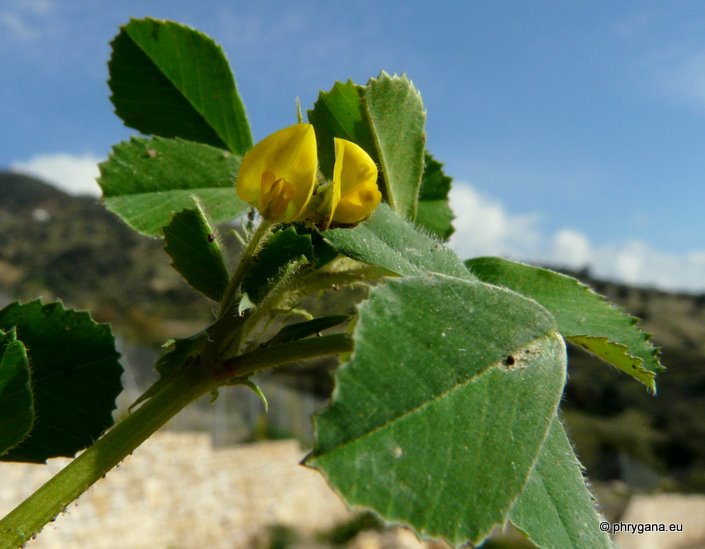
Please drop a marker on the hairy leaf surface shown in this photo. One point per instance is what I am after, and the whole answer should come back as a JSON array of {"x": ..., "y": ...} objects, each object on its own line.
[
  {"x": 442, "y": 410},
  {"x": 584, "y": 318},
  {"x": 397, "y": 118},
  {"x": 386, "y": 118},
  {"x": 388, "y": 241},
  {"x": 147, "y": 181},
  {"x": 556, "y": 510},
  {"x": 193, "y": 246},
  {"x": 270, "y": 263}
]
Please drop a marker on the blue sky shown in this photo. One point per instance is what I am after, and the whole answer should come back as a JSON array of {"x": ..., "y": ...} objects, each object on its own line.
[{"x": 575, "y": 131}]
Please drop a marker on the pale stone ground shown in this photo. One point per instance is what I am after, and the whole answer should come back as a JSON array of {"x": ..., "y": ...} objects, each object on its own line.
[
  {"x": 178, "y": 492},
  {"x": 685, "y": 510}
]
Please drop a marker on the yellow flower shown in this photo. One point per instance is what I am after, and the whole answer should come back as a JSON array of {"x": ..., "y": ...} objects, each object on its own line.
[
  {"x": 278, "y": 174},
  {"x": 355, "y": 191}
]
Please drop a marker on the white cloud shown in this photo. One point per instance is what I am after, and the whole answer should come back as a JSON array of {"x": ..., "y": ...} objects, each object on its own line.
[
  {"x": 571, "y": 248},
  {"x": 72, "y": 174},
  {"x": 485, "y": 227},
  {"x": 636, "y": 262}
]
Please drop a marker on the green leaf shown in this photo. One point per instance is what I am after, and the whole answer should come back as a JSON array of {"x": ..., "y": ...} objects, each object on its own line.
[
  {"x": 256, "y": 389},
  {"x": 300, "y": 330},
  {"x": 442, "y": 410},
  {"x": 147, "y": 181},
  {"x": 323, "y": 251},
  {"x": 388, "y": 241},
  {"x": 75, "y": 378},
  {"x": 434, "y": 212},
  {"x": 270, "y": 263},
  {"x": 171, "y": 80},
  {"x": 556, "y": 510},
  {"x": 386, "y": 118},
  {"x": 192, "y": 244},
  {"x": 339, "y": 113},
  {"x": 397, "y": 117},
  {"x": 584, "y": 318},
  {"x": 16, "y": 402}
]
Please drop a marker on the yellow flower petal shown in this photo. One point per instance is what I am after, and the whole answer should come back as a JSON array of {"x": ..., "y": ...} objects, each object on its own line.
[
  {"x": 278, "y": 174},
  {"x": 356, "y": 194}
]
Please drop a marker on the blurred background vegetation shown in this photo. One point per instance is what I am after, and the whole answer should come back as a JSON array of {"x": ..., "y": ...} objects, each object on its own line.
[{"x": 69, "y": 247}]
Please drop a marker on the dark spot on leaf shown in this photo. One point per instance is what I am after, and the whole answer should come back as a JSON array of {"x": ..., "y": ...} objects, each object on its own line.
[
  {"x": 510, "y": 361},
  {"x": 211, "y": 237}
]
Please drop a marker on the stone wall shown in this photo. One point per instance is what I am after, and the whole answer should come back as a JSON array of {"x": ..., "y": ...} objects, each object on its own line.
[
  {"x": 176, "y": 491},
  {"x": 650, "y": 512}
]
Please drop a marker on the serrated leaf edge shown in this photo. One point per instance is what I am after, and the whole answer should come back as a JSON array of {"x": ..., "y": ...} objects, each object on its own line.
[
  {"x": 384, "y": 76},
  {"x": 637, "y": 362},
  {"x": 645, "y": 337},
  {"x": 197, "y": 109},
  {"x": 310, "y": 459},
  {"x": 198, "y": 206},
  {"x": 13, "y": 339}
]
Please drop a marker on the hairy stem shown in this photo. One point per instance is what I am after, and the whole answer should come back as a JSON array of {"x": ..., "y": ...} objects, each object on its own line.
[
  {"x": 28, "y": 518},
  {"x": 229, "y": 322},
  {"x": 263, "y": 309},
  {"x": 243, "y": 265},
  {"x": 268, "y": 357}
]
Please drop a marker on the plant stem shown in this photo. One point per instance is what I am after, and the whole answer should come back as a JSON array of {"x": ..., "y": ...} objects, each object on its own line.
[
  {"x": 268, "y": 357},
  {"x": 243, "y": 265},
  {"x": 28, "y": 518}
]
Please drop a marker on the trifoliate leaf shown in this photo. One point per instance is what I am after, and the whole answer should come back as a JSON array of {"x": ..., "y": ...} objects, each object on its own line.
[{"x": 584, "y": 318}]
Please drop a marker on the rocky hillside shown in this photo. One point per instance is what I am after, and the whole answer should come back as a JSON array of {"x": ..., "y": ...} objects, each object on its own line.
[
  {"x": 621, "y": 431},
  {"x": 70, "y": 247}
]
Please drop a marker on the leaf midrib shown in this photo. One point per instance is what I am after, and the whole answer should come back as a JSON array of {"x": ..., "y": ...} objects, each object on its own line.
[
  {"x": 202, "y": 115},
  {"x": 436, "y": 398}
]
